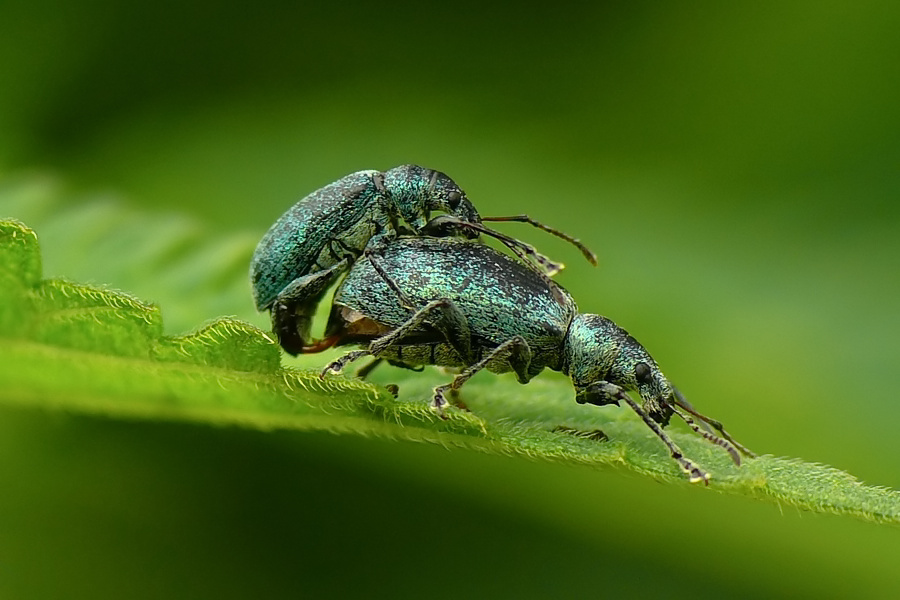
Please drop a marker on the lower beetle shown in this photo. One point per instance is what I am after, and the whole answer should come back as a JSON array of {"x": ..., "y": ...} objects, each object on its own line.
[
  {"x": 457, "y": 303},
  {"x": 317, "y": 240}
]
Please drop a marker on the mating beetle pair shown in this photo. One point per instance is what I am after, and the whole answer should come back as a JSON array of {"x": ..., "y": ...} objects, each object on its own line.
[{"x": 447, "y": 301}]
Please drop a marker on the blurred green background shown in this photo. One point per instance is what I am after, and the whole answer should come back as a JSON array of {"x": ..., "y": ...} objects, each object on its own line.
[{"x": 736, "y": 168}]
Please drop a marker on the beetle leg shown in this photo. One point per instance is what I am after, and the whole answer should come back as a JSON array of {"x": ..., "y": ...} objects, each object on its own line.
[
  {"x": 443, "y": 315},
  {"x": 364, "y": 372},
  {"x": 599, "y": 393},
  {"x": 336, "y": 366},
  {"x": 376, "y": 264},
  {"x": 444, "y": 225},
  {"x": 695, "y": 472},
  {"x": 403, "y": 365},
  {"x": 515, "y": 351},
  {"x": 295, "y": 306},
  {"x": 450, "y": 321}
]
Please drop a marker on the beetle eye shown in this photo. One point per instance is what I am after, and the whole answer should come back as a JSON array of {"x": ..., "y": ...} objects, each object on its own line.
[
  {"x": 642, "y": 372},
  {"x": 453, "y": 199}
]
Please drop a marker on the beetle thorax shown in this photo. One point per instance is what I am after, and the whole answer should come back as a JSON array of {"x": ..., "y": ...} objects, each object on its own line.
[
  {"x": 590, "y": 349},
  {"x": 407, "y": 188}
]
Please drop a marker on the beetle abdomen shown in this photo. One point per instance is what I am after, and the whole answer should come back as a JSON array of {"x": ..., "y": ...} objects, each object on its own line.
[{"x": 316, "y": 233}]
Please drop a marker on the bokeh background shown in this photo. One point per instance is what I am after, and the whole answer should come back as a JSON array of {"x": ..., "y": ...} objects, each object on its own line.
[{"x": 736, "y": 167}]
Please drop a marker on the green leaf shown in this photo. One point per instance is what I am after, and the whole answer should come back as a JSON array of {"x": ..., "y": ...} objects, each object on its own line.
[{"x": 89, "y": 349}]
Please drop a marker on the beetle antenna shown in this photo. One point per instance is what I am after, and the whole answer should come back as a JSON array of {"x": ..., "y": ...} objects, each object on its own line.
[
  {"x": 682, "y": 403},
  {"x": 710, "y": 437},
  {"x": 695, "y": 473},
  {"x": 587, "y": 252}
]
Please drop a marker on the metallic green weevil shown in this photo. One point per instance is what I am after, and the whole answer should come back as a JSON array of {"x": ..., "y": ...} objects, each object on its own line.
[
  {"x": 317, "y": 240},
  {"x": 457, "y": 303}
]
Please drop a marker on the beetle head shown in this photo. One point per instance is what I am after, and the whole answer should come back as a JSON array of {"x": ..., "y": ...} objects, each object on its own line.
[
  {"x": 445, "y": 195},
  {"x": 416, "y": 191},
  {"x": 598, "y": 353}
]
